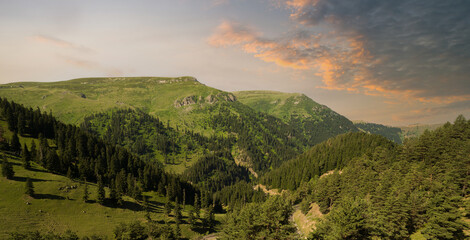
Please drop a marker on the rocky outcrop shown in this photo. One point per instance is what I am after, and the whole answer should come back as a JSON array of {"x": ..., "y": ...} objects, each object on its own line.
[
  {"x": 185, "y": 101},
  {"x": 210, "y": 99}
]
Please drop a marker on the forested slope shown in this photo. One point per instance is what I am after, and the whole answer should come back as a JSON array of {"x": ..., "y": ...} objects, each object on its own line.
[
  {"x": 420, "y": 188},
  {"x": 315, "y": 122},
  {"x": 335, "y": 153}
]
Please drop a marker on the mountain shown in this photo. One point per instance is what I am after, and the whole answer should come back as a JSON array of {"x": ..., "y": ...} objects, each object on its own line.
[
  {"x": 71, "y": 101},
  {"x": 182, "y": 105},
  {"x": 392, "y": 133},
  {"x": 314, "y": 121}
]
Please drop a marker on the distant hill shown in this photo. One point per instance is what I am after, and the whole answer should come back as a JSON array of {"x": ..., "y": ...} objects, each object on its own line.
[
  {"x": 415, "y": 130},
  {"x": 392, "y": 133},
  {"x": 316, "y": 122}
]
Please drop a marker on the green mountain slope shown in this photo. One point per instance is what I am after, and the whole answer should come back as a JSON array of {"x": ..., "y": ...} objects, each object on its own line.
[
  {"x": 256, "y": 140},
  {"x": 314, "y": 121},
  {"x": 392, "y": 133},
  {"x": 335, "y": 153},
  {"x": 71, "y": 101}
]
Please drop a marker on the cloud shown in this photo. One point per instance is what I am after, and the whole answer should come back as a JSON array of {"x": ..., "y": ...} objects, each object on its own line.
[
  {"x": 91, "y": 65},
  {"x": 302, "y": 50},
  {"x": 436, "y": 112},
  {"x": 61, "y": 43},
  {"x": 219, "y": 2},
  {"x": 408, "y": 49},
  {"x": 415, "y": 48}
]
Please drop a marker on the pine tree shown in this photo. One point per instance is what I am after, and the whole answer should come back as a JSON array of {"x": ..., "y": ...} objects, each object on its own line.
[
  {"x": 26, "y": 157},
  {"x": 101, "y": 192},
  {"x": 29, "y": 188},
  {"x": 33, "y": 151},
  {"x": 209, "y": 218},
  {"x": 85, "y": 192},
  {"x": 113, "y": 192},
  {"x": 15, "y": 144},
  {"x": 177, "y": 211},
  {"x": 197, "y": 207},
  {"x": 192, "y": 219},
  {"x": 167, "y": 208},
  {"x": 21, "y": 124},
  {"x": 7, "y": 169}
]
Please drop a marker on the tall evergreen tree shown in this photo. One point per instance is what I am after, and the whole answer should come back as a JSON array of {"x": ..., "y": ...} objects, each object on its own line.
[
  {"x": 7, "y": 169},
  {"x": 167, "y": 208},
  {"x": 113, "y": 193},
  {"x": 26, "y": 157},
  {"x": 101, "y": 192},
  {"x": 177, "y": 211},
  {"x": 197, "y": 207},
  {"x": 86, "y": 193},
  {"x": 29, "y": 188},
  {"x": 15, "y": 144},
  {"x": 208, "y": 221}
]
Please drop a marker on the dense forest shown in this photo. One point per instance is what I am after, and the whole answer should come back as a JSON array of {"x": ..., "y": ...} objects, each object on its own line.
[
  {"x": 397, "y": 190},
  {"x": 263, "y": 141},
  {"x": 68, "y": 150},
  {"x": 332, "y": 154},
  {"x": 364, "y": 185}
]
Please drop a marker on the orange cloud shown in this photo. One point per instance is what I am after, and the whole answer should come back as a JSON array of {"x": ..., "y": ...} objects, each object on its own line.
[
  {"x": 91, "y": 65},
  {"x": 342, "y": 62},
  {"x": 60, "y": 43}
]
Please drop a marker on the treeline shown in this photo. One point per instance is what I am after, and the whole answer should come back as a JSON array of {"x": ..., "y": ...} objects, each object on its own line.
[
  {"x": 147, "y": 136},
  {"x": 332, "y": 154},
  {"x": 316, "y": 131},
  {"x": 392, "y": 133},
  {"x": 264, "y": 141},
  {"x": 68, "y": 150},
  {"x": 216, "y": 170},
  {"x": 392, "y": 193}
]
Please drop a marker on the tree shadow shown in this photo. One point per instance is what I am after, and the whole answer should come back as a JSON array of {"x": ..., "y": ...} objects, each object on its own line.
[
  {"x": 23, "y": 179},
  {"x": 125, "y": 205},
  {"x": 48, "y": 196},
  {"x": 38, "y": 170}
]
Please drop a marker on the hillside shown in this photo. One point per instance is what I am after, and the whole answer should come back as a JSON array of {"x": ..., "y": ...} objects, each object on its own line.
[
  {"x": 314, "y": 121},
  {"x": 122, "y": 189},
  {"x": 417, "y": 190},
  {"x": 334, "y": 153},
  {"x": 392, "y": 133},
  {"x": 71, "y": 101},
  {"x": 180, "y": 103}
]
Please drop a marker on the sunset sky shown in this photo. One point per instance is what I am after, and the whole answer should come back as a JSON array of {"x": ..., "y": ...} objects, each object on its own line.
[{"x": 391, "y": 62}]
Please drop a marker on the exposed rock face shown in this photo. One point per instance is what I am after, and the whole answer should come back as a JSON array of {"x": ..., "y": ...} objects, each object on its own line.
[
  {"x": 210, "y": 99},
  {"x": 228, "y": 97},
  {"x": 185, "y": 101}
]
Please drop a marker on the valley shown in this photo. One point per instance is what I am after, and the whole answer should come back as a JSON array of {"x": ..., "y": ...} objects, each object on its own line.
[{"x": 146, "y": 146}]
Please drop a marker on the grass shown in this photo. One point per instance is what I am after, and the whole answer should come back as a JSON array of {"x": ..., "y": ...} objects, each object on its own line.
[
  {"x": 56, "y": 209},
  {"x": 279, "y": 104},
  {"x": 71, "y": 101}
]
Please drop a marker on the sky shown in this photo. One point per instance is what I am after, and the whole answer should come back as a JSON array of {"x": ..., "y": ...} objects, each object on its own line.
[{"x": 395, "y": 62}]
